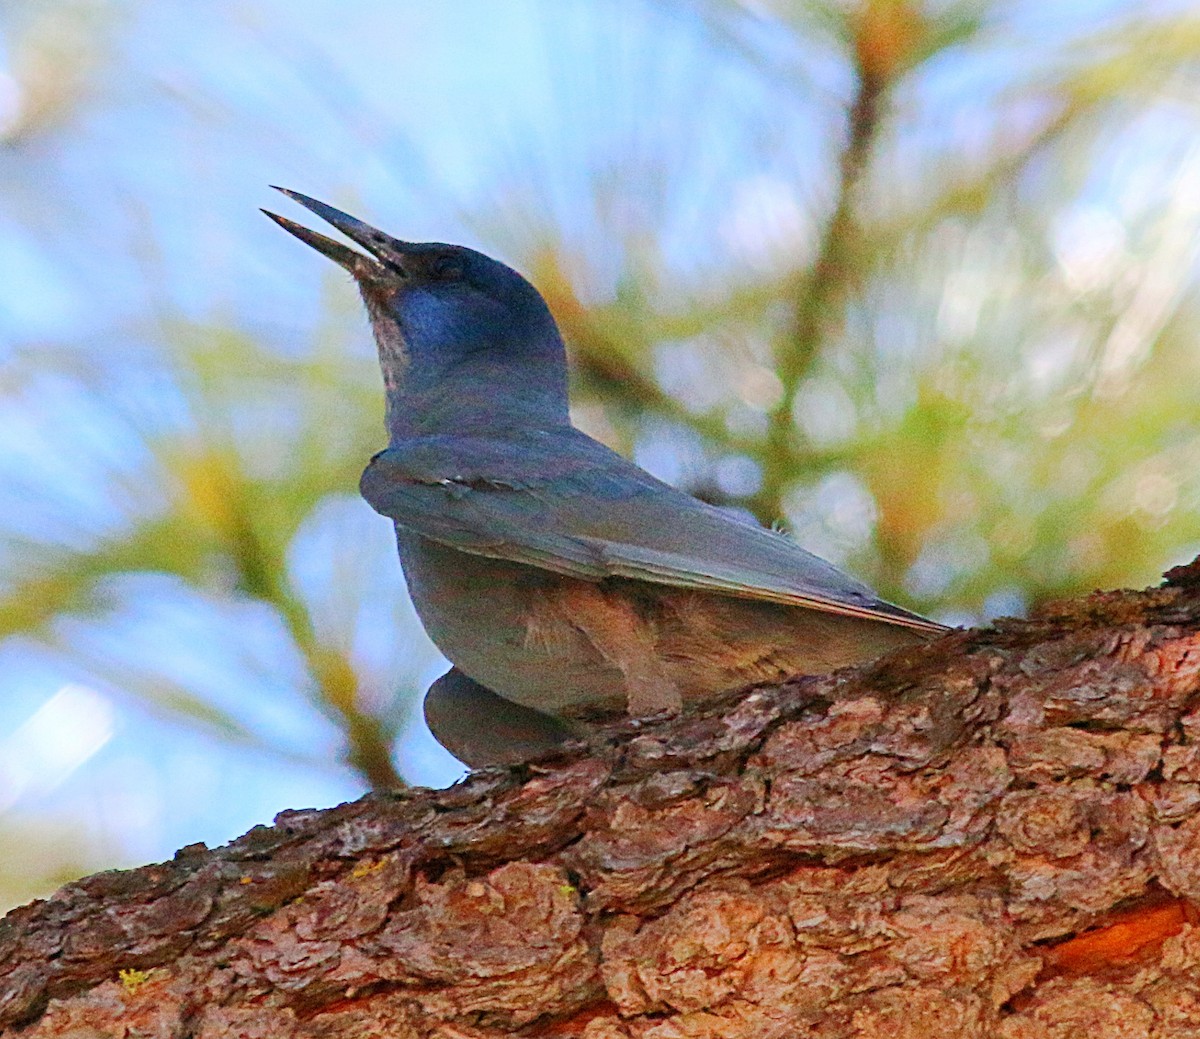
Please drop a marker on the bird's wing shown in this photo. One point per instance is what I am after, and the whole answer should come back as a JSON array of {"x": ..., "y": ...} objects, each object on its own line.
[{"x": 565, "y": 503}]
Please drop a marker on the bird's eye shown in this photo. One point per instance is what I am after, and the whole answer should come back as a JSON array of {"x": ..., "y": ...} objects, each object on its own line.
[{"x": 447, "y": 269}]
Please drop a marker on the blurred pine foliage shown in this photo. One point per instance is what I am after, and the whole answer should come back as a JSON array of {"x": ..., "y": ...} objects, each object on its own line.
[{"x": 916, "y": 280}]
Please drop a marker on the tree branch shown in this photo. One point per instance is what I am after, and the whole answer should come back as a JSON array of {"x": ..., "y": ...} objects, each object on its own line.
[{"x": 997, "y": 834}]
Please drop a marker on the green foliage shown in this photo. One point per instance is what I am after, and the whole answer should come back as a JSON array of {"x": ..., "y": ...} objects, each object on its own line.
[
  {"x": 949, "y": 340},
  {"x": 221, "y": 484},
  {"x": 1005, "y": 366}
]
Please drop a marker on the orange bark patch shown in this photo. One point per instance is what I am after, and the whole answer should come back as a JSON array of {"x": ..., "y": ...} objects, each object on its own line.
[{"x": 1126, "y": 938}]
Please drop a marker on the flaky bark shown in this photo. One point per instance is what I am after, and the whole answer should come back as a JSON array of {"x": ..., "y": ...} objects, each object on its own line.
[{"x": 994, "y": 835}]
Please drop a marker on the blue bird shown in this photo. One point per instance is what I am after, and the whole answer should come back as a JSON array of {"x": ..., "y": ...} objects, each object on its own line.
[{"x": 563, "y": 582}]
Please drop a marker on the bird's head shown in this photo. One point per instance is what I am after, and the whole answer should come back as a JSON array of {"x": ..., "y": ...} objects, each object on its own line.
[{"x": 444, "y": 315}]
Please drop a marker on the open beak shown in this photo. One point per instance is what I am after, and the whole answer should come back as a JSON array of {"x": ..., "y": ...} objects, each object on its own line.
[{"x": 389, "y": 253}]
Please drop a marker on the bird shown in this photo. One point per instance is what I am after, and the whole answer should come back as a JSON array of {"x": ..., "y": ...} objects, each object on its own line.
[{"x": 564, "y": 583}]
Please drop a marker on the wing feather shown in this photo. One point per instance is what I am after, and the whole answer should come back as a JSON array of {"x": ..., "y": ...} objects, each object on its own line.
[{"x": 564, "y": 503}]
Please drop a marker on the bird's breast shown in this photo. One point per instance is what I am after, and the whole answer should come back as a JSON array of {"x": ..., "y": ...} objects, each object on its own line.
[
  {"x": 573, "y": 647},
  {"x": 491, "y": 619}
]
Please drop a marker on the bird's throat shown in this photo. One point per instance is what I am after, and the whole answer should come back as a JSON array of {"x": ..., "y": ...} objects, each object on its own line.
[{"x": 474, "y": 395}]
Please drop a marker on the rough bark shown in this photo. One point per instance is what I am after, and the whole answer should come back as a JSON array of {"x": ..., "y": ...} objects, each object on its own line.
[{"x": 994, "y": 835}]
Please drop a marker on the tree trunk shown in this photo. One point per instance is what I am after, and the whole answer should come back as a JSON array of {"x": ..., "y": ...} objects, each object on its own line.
[{"x": 997, "y": 834}]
